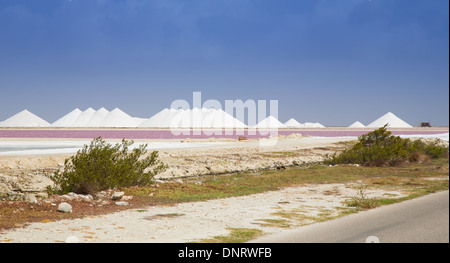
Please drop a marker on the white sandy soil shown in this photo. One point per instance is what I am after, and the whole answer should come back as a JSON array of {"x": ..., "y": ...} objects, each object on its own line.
[{"x": 194, "y": 221}]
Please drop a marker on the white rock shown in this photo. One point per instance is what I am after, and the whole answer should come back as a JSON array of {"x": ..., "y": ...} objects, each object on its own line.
[
  {"x": 30, "y": 198},
  {"x": 126, "y": 197},
  {"x": 65, "y": 207},
  {"x": 117, "y": 195}
]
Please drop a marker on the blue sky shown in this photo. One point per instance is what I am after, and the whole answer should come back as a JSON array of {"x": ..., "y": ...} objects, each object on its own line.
[{"x": 334, "y": 62}]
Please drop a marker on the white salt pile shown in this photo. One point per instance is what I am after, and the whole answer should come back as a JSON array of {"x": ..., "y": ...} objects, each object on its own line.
[
  {"x": 118, "y": 118},
  {"x": 24, "y": 119},
  {"x": 312, "y": 125},
  {"x": 68, "y": 119},
  {"x": 221, "y": 119},
  {"x": 213, "y": 118},
  {"x": 160, "y": 119},
  {"x": 357, "y": 124},
  {"x": 292, "y": 123},
  {"x": 83, "y": 119},
  {"x": 270, "y": 122},
  {"x": 97, "y": 118},
  {"x": 174, "y": 118},
  {"x": 390, "y": 119},
  {"x": 192, "y": 118}
]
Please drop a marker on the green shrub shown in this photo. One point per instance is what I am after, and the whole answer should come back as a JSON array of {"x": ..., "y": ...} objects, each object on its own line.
[
  {"x": 101, "y": 166},
  {"x": 379, "y": 148},
  {"x": 362, "y": 200}
]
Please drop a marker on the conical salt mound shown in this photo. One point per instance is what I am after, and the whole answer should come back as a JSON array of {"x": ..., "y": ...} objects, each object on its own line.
[
  {"x": 292, "y": 123},
  {"x": 313, "y": 125},
  {"x": 230, "y": 121},
  {"x": 357, "y": 124},
  {"x": 221, "y": 119},
  {"x": 192, "y": 118},
  {"x": 118, "y": 118},
  {"x": 196, "y": 117},
  {"x": 180, "y": 118},
  {"x": 68, "y": 119},
  {"x": 156, "y": 120},
  {"x": 83, "y": 119},
  {"x": 24, "y": 119},
  {"x": 139, "y": 121},
  {"x": 173, "y": 118},
  {"x": 390, "y": 119},
  {"x": 97, "y": 118},
  {"x": 270, "y": 122}
]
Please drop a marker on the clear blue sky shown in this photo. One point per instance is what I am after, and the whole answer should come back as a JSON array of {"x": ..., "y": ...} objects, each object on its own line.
[{"x": 334, "y": 62}]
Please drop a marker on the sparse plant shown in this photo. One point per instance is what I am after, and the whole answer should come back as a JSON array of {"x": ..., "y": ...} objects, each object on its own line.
[
  {"x": 362, "y": 200},
  {"x": 101, "y": 166},
  {"x": 380, "y": 148}
]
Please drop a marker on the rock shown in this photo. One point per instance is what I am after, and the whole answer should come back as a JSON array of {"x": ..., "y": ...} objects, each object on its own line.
[
  {"x": 127, "y": 197},
  {"x": 122, "y": 203},
  {"x": 87, "y": 197},
  {"x": 30, "y": 198},
  {"x": 72, "y": 239},
  {"x": 65, "y": 207},
  {"x": 117, "y": 195},
  {"x": 33, "y": 183},
  {"x": 78, "y": 197},
  {"x": 102, "y": 195}
]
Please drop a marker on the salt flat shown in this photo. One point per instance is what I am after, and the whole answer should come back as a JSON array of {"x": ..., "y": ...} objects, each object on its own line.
[{"x": 53, "y": 147}]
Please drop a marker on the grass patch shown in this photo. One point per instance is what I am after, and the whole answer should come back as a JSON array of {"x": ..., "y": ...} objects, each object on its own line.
[
  {"x": 362, "y": 201},
  {"x": 296, "y": 217},
  {"x": 412, "y": 178},
  {"x": 280, "y": 154},
  {"x": 162, "y": 216},
  {"x": 237, "y": 235},
  {"x": 281, "y": 223}
]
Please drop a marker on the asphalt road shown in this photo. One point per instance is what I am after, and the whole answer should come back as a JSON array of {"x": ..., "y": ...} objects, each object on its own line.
[{"x": 420, "y": 220}]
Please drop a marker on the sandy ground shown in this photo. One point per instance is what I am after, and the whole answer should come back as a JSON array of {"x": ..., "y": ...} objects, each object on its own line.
[{"x": 194, "y": 221}]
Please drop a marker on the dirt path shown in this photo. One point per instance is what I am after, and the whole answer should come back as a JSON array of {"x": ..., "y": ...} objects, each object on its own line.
[{"x": 188, "y": 222}]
